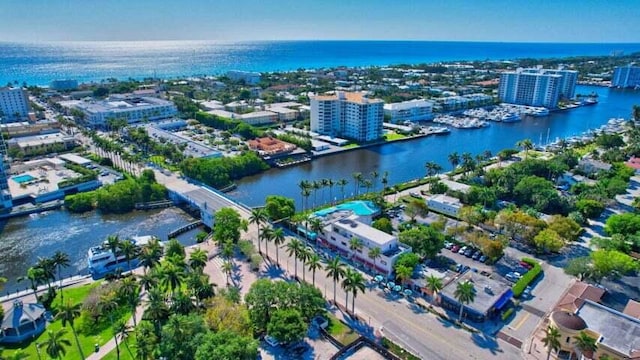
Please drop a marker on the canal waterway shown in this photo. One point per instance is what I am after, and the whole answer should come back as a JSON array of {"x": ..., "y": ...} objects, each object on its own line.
[
  {"x": 24, "y": 239},
  {"x": 405, "y": 160}
]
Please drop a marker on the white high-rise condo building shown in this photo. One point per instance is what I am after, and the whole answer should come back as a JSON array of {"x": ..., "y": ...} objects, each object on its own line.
[
  {"x": 626, "y": 76},
  {"x": 14, "y": 104},
  {"x": 412, "y": 110},
  {"x": 537, "y": 87},
  {"x": 347, "y": 114}
]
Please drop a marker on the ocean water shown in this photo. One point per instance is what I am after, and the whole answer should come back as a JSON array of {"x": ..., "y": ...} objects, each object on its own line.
[{"x": 39, "y": 63}]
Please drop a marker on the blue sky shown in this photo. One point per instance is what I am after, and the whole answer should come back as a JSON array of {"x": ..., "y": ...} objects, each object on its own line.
[{"x": 224, "y": 20}]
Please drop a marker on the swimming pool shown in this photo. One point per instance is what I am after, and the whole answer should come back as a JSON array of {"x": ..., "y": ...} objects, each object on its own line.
[
  {"x": 358, "y": 207},
  {"x": 22, "y": 178}
]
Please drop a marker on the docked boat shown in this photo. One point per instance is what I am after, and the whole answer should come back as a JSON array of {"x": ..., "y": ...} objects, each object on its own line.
[{"x": 102, "y": 261}]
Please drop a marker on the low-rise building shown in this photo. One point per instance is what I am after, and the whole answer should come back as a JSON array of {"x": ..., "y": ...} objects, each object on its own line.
[
  {"x": 592, "y": 166},
  {"x": 259, "y": 118},
  {"x": 444, "y": 204},
  {"x": 268, "y": 146},
  {"x": 24, "y": 128},
  {"x": 412, "y": 110},
  {"x": 284, "y": 114},
  {"x": 132, "y": 109},
  {"x": 491, "y": 296},
  {"x": 42, "y": 144},
  {"x": 248, "y": 77},
  {"x": 455, "y": 103}
]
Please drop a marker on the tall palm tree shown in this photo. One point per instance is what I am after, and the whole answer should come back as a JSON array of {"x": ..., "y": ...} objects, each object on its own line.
[
  {"x": 304, "y": 255},
  {"x": 353, "y": 282},
  {"x": 294, "y": 247},
  {"x": 336, "y": 270},
  {"x": 552, "y": 340},
  {"x": 198, "y": 260},
  {"x": 374, "y": 254},
  {"x": 434, "y": 284},
  {"x": 130, "y": 251},
  {"x": 48, "y": 269},
  {"x": 454, "y": 160},
  {"x": 374, "y": 178},
  {"x": 129, "y": 292},
  {"x": 404, "y": 273},
  {"x": 171, "y": 276},
  {"x": 324, "y": 183},
  {"x": 67, "y": 314},
  {"x": 227, "y": 268},
  {"x": 148, "y": 281},
  {"x": 367, "y": 183},
  {"x": 278, "y": 239},
  {"x": 113, "y": 244},
  {"x": 60, "y": 260},
  {"x": 357, "y": 180},
  {"x": 330, "y": 185},
  {"x": 526, "y": 145},
  {"x": 355, "y": 245},
  {"x": 267, "y": 236},
  {"x": 432, "y": 168},
  {"x": 385, "y": 181},
  {"x": 465, "y": 293},
  {"x": 585, "y": 344},
  {"x": 35, "y": 276},
  {"x": 122, "y": 331},
  {"x": 305, "y": 194},
  {"x": 259, "y": 216},
  {"x": 157, "y": 310},
  {"x": 315, "y": 186},
  {"x": 56, "y": 344},
  {"x": 314, "y": 263},
  {"x": 342, "y": 183},
  {"x": 316, "y": 224},
  {"x": 304, "y": 191},
  {"x": 150, "y": 254}
]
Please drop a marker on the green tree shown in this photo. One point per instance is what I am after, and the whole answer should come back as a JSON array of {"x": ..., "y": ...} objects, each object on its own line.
[
  {"x": 278, "y": 240},
  {"x": 287, "y": 326},
  {"x": 612, "y": 263},
  {"x": 314, "y": 263},
  {"x": 590, "y": 208},
  {"x": 171, "y": 276},
  {"x": 585, "y": 344},
  {"x": 35, "y": 276},
  {"x": 198, "y": 260},
  {"x": 552, "y": 340},
  {"x": 279, "y": 207},
  {"x": 180, "y": 336},
  {"x": 525, "y": 145},
  {"x": 416, "y": 207},
  {"x": 383, "y": 224},
  {"x": 55, "y": 344},
  {"x": 424, "y": 240},
  {"x": 404, "y": 273},
  {"x": 67, "y": 314},
  {"x": 465, "y": 293},
  {"x": 294, "y": 249},
  {"x": 434, "y": 284},
  {"x": 150, "y": 254},
  {"x": 568, "y": 229},
  {"x": 228, "y": 225},
  {"x": 353, "y": 282},
  {"x": 60, "y": 260},
  {"x": 130, "y": 251},
  {"x": 374, "y": 254},
  {"x": 548, "y": 240},
  {"x": 226, "y": 345},
  {"x": 174, "y": 248},
  {"x": 625, "y": 224},
  {"x": 258, "y": 217},
  {"x": 336, "y": 270}
]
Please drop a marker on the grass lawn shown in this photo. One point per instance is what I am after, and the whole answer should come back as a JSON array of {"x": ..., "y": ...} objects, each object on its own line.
[
  {"x": 350, "y": 146},
  {"x": 124, "y": 354},
  {"x": 393, "y": 136},
  {"x": 584, "y": 150},
  {"x": 341, "y": 331},
  {"x": 160, "y": 161},
  {"x": 101, "y": 335}
]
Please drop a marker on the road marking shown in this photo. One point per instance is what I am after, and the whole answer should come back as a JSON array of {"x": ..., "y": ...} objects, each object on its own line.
[{"x": 524, "y": 318}]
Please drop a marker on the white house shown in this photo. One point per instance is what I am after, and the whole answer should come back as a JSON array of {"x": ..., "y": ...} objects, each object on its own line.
[
  {"x": 444, "y": 204},
  {"x": 338, "y": 234}
]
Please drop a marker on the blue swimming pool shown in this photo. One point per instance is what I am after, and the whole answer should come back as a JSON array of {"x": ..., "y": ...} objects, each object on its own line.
[
  {"x": 22, "y": 178},
  {"x": 359, "y": 207}
]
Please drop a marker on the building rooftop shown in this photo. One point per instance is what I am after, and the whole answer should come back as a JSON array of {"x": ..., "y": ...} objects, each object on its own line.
[
  {"x": 456, "y": 186},
  {"x": 618, "y": 331},
  {"x": 445, "y": 199},
  {"x": 76, "y": 159},
  {"x": 568, "y": 320},
  {"x": 352, "y": 225},
  {"x": 632, "y": 309},
  {"x": 405, "y": 105},
  {"x": 40, "y": 139},
  {"x": 121, "y": 104},
  {"x": 488, "y": 291},
  {"x": 258, "y": 114}
]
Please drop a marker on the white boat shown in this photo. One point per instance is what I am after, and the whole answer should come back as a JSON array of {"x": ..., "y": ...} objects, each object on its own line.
[{"x": 101, "y": 260}]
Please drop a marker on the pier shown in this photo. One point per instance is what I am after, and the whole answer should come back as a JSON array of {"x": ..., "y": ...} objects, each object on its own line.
[
  {"x": 184, "y": 229},
  {"x": 154, "y": 205}
]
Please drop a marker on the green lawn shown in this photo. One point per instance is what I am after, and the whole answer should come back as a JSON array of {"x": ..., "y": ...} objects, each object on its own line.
[
  {"x": 341, "y": 331},
  {"x": 394, "y": 136},
  {"x": 160, "y": 161},
  {"x": 350, "y": 146},
  {"x": 124, "y": 354},
  {"x": 100, "y": 336}
]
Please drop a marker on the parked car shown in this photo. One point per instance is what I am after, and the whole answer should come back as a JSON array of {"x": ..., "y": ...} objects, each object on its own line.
[
  {"x": 477, "y": 255},
  {"x": 462, "y": 250},
  {"x": 525, "y": 265},
  {"x": 448, "y": 245},
  {"x": 455, "y": 248},
  {"x": 415, "y": 195},
  {"x": 513, "y": 276},
  {"x": 483, "y": 259},
  {"x": 469, "y": 252}
]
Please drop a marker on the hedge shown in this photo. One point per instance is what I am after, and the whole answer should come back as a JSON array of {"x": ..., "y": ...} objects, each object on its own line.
[
  {"x": 507, "y": 314},
  {"x": 527, "y": 278}
]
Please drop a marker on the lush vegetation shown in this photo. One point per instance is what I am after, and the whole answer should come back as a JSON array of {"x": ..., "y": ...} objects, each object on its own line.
[
  {"x": 220, "y": 172},
  {"x": 235, "y": 126},
  {"x": 119, "y": 197},
  {"x": 526, "y": 279}
]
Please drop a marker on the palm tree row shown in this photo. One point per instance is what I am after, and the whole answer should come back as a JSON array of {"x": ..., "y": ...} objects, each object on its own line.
[
  {"x": 307, "y": 188},
  {"x": 46, "y": 270}
]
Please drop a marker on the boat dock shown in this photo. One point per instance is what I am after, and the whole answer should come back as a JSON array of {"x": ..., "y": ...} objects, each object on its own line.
[
  {"x": 184, "y": 229},
  {"x": 154, "y": 205}
]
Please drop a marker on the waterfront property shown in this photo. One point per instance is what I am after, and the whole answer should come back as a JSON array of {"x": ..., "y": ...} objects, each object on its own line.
[
  {"x": 133, "y": 109},
  {"x": 14, "y": 104},
  {"x": 269, "y": 147},
  {"x": 537, "y": 87},
  {"x": 102, "y": 261},
  {"x": 171, "y": 132},
  {"x": 42, "y": 144},
  {"x": 413, "y": 111},
  {"x": 347, "y": 114},
  {"x": 444, "y": 204},
  {"x": 63, "y": 85},
  {"x": 22, "y": 322},
  {"x": 626, "y": 76},
  {"x": 491, "y": 295}
]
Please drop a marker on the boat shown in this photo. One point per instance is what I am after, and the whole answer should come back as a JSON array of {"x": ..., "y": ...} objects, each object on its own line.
[{"x": 102, "y": 262}]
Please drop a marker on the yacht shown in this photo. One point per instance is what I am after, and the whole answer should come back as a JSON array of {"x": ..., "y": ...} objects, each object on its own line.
[{"x": 102, "y": 261}]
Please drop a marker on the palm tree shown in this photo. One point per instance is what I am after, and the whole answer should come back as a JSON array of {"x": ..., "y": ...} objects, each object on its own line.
[
  {"x": 113, "y": 244},
  {"x": 150, "y": 254},
  {"x": 267, "y": 235},
  {"x": 35, "y": 275},
  {"x": 374, "y": 254},
  {"x": 374, "y": 178},
  {"x": 353, "y": 282},
  {"x": 305, "y": 194},
  {"x": 432, "y": 168},
  {"x": 171, "y": 276},
  {"x": 56, "y": 345},
  {"x": 324, "y": 183},
  {"x": 314, "y": 263},
  {"x": 67, "y": 313},
  {"x": 465, "y": 293},
  {"x": 278, "y": 239},
  {"x": 60, "y": 260},
  {"x": 526, "y": 145},
  {"x": 404, "y": 273},
  {"x": 129, "y": 291},
  {"x": 467, "y": 162},
  {"x": 227, "y": 268},
  {"x": 157, "y": 309},
  {"x": 304, "y": 255},
  {"x": 454, "y": 160},
  {"x": 357, "y": 180},
  {"x": 258, "y": 216},
  {"x": 355, "y": 244},
  {"x": 552, "y": 340},
  {"x": 585, "y": 344},
  {"x": 130, "y": 251},
  {"x": 336, "y": 270},
  {"x": 304, "y": 191},
  {"x": 48, "y": 269},
  {"x": 367, "y": 183},
  {"x": 122, "y": 330},
  {"x": 148, "y": 281},
  {"x": 198, "y": 260},
  {"x": 385, "y": 181},
  {"x": 330, "y": 184},
  {"x": 294, "y": 247},
  {"x": 434, "y": 284},
  {"x": 342, "y": 183}
]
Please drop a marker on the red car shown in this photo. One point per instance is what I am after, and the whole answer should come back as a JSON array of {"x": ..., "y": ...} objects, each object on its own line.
[
  {"x": 525, "y": 265},
  {"x": 455, "y": 248}
]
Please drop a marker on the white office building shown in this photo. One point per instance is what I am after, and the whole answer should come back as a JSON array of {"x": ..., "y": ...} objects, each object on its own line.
[
  {"x": 445, "y": 205},
  {"x": 531, "y": 87},
  {"x": 340, "y": 233},
  {"x": 132, "y": 109},
  {"x": 248, "y": 77},
  {"x": 626, "y": 76},
  {"x": 412, "y": 110},
  {"x": 347, "y": 114},
  {"x": 14, "y": 104}
]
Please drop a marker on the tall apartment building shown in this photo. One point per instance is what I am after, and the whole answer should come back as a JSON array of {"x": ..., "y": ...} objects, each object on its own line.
[
  {"x": 567, "y": 83},
  {"x": 626, "y": 76},
  {"x": 534, "y": 87},
  {"x": 14, "y": 104},
  {"x": 349, "y": 115},
  {"x": 412, "y": 110},
  {"x": 248, "y": 77}
]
